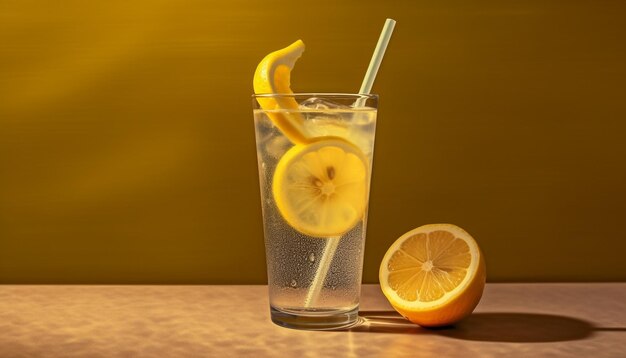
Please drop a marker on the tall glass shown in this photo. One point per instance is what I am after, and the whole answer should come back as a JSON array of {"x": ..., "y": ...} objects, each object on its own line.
[{"x": 315, "y": 165}]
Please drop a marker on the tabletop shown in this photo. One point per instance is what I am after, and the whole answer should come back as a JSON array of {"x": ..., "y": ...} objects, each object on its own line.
[{"x": 519, "y": 320}]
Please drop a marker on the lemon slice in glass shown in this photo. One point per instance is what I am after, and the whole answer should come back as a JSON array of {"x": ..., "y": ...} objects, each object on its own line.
[{"x": 320, "y": 188}]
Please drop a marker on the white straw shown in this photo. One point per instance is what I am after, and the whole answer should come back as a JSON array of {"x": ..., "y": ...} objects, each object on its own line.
[
  {"x": 377, "y": 58},
  {"x": 322, "y": 271},
  {"x": 333, "y": 242}
]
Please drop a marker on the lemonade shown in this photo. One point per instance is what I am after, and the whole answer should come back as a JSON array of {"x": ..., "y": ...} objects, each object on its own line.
[
  {"x": 314, "y": 198},
  {"x": 315, "y": 156}
]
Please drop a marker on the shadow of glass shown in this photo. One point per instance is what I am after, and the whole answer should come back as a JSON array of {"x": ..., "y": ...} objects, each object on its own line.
[{"x": 486, "y": 327}]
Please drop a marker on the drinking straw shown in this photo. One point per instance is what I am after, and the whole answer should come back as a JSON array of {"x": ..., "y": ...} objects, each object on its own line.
[
  {"x": 377, "y": 58},
  {"x": 322, "y": 270},
  {"x": 333, "y": 242}
]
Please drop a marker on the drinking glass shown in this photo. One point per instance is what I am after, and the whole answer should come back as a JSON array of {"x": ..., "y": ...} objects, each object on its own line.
[{"x": 315, "y": 155}]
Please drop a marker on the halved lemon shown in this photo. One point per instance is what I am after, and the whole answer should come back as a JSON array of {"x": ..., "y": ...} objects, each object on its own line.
[
  {"x": 433, "y": 275},
  {"x": 273, "y": 76},
  {"x": 321, "y": 188}
]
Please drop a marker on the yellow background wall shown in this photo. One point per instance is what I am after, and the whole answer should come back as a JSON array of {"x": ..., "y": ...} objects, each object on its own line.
[{"x": 127, "y": 148}]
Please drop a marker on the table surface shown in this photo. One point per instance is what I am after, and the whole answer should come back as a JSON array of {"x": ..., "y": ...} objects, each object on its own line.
[{"x": 520, "y": 320}]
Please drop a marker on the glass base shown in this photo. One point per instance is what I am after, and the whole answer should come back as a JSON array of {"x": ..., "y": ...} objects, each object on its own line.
[{"x": 315, "y": 320}]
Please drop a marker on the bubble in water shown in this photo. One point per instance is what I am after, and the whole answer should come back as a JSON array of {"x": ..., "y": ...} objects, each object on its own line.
[
  {"x": 293, "y": 283},
  {"x": 312, "y": 257}
]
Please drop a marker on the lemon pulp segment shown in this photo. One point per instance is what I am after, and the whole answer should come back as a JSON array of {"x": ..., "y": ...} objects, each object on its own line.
[{"x": 428, "y": 265}]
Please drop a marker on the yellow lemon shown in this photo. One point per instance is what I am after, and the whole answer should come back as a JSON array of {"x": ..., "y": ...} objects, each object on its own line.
[
  {"x": 273, "y": 76},
  {"x": 320, "y": 187},
  {"x": 433, "y": 275}
]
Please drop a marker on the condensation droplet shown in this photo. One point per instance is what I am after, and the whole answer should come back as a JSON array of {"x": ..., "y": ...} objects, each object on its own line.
[
  {"x": 312, "y": 257},
  {"x": 293, "y": 283}
]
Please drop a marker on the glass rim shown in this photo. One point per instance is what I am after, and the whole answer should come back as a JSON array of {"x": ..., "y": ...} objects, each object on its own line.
[{"x": 317, "y": 94}]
